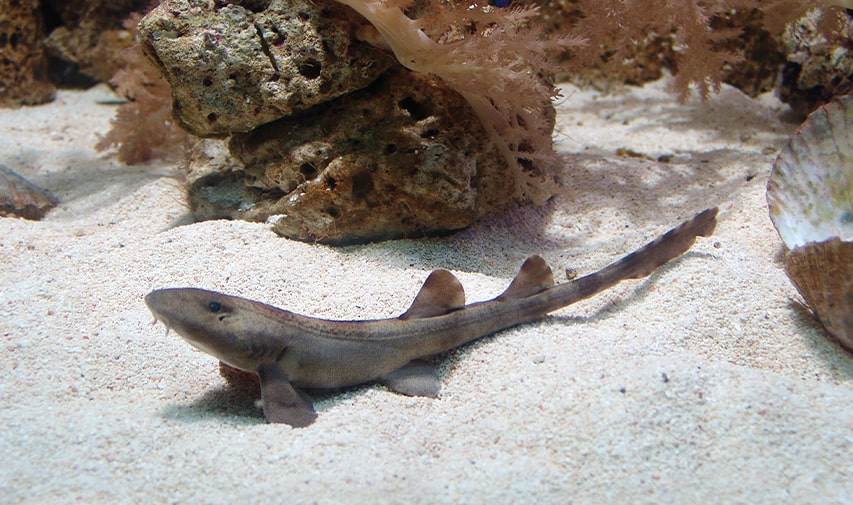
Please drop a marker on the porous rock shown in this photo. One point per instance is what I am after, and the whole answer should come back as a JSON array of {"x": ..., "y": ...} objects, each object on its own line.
[
  {"x": 404, "y": 157},
  {"x": 818, "y": 68},
  {"x": 86, "y": 38},
  {"x": 23, "y": 62},
  {"x": 234, "y": 66}
]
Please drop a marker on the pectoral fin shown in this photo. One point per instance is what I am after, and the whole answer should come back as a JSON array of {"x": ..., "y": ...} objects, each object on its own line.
[
  {"x": 441, "y": 293},
  {"x": 416, "y": 378},
  {"x": 283, "y": 403}
]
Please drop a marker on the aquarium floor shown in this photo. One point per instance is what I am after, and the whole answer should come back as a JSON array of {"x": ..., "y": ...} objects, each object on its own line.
[{"x": 707, "y": 382}]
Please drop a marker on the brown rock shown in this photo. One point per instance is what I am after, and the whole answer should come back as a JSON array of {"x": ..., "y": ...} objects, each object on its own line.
[
  {"x": 404, "y": 157},
  {"x": 819, "y": 60},
  {"x": 236, "y": 66},
  {"x": 23, "y": 62},
  {"x": 87, "y": 35}
]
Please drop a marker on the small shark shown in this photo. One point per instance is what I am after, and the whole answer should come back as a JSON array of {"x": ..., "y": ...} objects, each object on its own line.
[{"x": 291, "y": 352}]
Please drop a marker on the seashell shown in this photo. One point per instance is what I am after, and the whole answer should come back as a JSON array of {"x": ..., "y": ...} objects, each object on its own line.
[
  {"x": 810, "y": 196},
  {"x": 823, "y": 274},
  {"x": 20, "y": 197}
]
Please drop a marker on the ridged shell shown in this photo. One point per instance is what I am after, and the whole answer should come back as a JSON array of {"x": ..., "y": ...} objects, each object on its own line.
[
  {"x": 823, "y": 274},
  {"x": 20, "y": 197},
  {"x": 810, "y": 196},
  {"x": 810, "y": 192}
]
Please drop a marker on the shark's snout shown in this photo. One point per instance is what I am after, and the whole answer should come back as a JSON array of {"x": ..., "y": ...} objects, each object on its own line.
[
  {"x": 207, "y": 321},
  {"x": 169, "y": 306},
  {"x": 160, "y": 302},
  {"x": 153, "y": 300}
]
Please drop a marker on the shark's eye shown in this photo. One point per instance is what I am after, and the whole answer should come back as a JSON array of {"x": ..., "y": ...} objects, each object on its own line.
[{"x": 214, "y": 306}]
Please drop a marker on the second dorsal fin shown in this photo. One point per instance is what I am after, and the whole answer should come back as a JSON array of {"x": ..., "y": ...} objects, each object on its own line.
[
  {"x": 534, "y": 277},
  {"x": 441, "y": 293}
]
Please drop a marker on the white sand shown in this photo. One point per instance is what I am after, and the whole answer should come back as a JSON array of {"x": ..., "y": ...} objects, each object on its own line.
[{"x": 707, "y": 382}]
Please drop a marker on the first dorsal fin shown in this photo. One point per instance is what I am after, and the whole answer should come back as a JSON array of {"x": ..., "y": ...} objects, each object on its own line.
[
  {"x": 441, "y": 293},
  {"x": 534, "y": 277}
]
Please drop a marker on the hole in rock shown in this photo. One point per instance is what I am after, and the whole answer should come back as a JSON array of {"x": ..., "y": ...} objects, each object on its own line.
[{"x": 310, "y": 69}]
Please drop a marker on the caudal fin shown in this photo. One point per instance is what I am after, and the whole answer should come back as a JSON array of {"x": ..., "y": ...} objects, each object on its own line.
[{"x": 667, "y": 247}]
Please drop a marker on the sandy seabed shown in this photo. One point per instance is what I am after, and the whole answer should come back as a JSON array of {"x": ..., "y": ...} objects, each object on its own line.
[{"x": 707, "y": 382}]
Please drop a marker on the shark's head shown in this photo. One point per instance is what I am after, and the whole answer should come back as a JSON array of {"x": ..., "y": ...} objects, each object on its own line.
[{"x": 232, "y": 329}]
